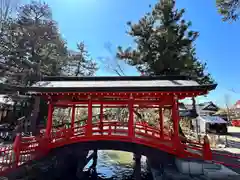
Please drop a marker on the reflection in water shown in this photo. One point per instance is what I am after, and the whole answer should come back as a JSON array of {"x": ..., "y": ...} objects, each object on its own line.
[{"x": 113, "y": 165}]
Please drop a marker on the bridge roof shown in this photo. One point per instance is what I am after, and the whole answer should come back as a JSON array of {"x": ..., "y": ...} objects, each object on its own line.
[{"x": 117, "y": 84}]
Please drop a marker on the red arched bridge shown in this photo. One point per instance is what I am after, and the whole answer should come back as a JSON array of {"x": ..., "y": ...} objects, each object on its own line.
[{"x": 99, "y": 93}]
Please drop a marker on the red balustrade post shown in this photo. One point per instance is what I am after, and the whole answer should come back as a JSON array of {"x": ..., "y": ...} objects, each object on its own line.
[
  {"x": 161, "y": 124},
  {"x": 101, "y": 118},
  {"x": 89, "y": 120},
  {"x": 49, "y": 120},
  {"x": 16, "y": 148},
  {"x": 131, "y": 118},
  {"x": 176, "y": 119},
  {"x": 73, "y": 118},
  {"x": 207, "y": 153}
]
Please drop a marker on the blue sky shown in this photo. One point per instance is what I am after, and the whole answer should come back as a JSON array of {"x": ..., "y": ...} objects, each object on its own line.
[{"x": 97, "y": 22}]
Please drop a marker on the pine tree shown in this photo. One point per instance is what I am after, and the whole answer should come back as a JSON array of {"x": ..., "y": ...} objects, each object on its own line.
[
  {"x": 229, "y": 9},
  {"x": 163, "y": 41},
  {"x": 80, "y": 63},
  {"x": 32, "y": 46},
  {"x": 164, "y": 44}
]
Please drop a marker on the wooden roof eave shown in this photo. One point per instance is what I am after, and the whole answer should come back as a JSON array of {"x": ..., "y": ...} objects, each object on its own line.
[{"x": 200, "y": 89}]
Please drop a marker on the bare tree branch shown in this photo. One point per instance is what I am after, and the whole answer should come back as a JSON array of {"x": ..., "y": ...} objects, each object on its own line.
[
  {"x": 112, "y": 63},
  {"x": 7, "y": 7}
]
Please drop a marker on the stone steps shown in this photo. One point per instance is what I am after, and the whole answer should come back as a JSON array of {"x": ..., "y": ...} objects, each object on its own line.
[{"x": 207, "y": 169}]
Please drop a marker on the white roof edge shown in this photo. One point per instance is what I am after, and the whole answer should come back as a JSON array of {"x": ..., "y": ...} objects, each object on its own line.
[{"x": 127, "y": 83}]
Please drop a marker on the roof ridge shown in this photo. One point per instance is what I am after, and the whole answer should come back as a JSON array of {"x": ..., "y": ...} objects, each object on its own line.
[{"x": 114, "y": 78}]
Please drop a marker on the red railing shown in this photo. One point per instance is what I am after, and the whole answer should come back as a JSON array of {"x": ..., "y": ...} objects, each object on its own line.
[
  {"x": 226, "y": 156},
  {"x": 115, "y": 130},
  {"x": 14, "y": 155},
  {"x": 7, "y": 159},
  {"x": 236, "y": 122},
  {"x": 28, "y": 148}
]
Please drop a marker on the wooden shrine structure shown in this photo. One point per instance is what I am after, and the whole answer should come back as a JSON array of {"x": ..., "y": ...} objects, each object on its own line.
[{"x": 131, "y": 92}]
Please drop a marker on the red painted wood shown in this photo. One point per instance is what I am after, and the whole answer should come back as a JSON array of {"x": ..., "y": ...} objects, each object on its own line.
[
  {"x": 207, "y": 153},
  {"x": 16, "y": 148},
  {"x": 161, "y": 123},
  {"x": 49, "y": 119},
  {"x": 125, "y": 94},
  {"x": 106, "y": 106},
  {"x": 101, "y": 117},
  {"x": 236, "y": 122},
  {"x": 176, "y": 118},
  {"x": 73, "y": 117},
  {"x": 117, "y": 131},
  {"x": 119, "y": 102},
  {"x": 131, "y": 118},
  {"x": 89, "y": 120}
]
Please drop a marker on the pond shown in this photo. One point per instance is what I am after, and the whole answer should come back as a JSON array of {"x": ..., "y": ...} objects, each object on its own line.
[{"x": 113, "y": 165}]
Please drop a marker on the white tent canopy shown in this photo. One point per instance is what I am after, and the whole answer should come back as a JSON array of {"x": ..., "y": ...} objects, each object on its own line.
[
  {"x": 202, "y": 122},
  {"x": 212, "y": 119}
]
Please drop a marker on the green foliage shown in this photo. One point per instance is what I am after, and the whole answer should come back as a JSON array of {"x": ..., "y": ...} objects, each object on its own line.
[
  {"x": 197, "y": 69},
  {"x": 80, "y": 63},
  {"x": 31, "y": 46},
  {"x": 164, "y": 44},
  {"x": 229, "y": 9}
]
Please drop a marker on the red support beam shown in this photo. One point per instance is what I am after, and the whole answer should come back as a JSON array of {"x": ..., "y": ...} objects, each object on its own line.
[
  {"x": 108, "y": 106},
  {"x": 49, "y": 120},
  {"x": 142, "y": 102},
  {"x": 101, "y": 113},
  {"x": 101, "y": 118},
  {"x": 61, "y": 95},
  {"x": 89, "y": 120},
  {"x": 131, "y": 118},
  {"x": 73, "y": 117},
  {"x": 17, "y": 148},
  {"x": 207, "y": 153},
  {"x": 161, "y": 122},
  {"x": 176, "y": 119}
]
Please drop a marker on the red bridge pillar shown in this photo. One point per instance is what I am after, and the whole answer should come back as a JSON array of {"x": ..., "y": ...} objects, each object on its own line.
[
  {"x": 101, "y": 118},
  {"x": 131, "y": 118},
  {"x": 49, "y": 120},
  {"x": 89, "y": 120},
  {"x": 161, "y": 124},
  {"x": 16, "y": 148},
  {"x": 73, "y": 118},
  {"x": 176, "y": 119},
  {"x": 207, "y": 153}
]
